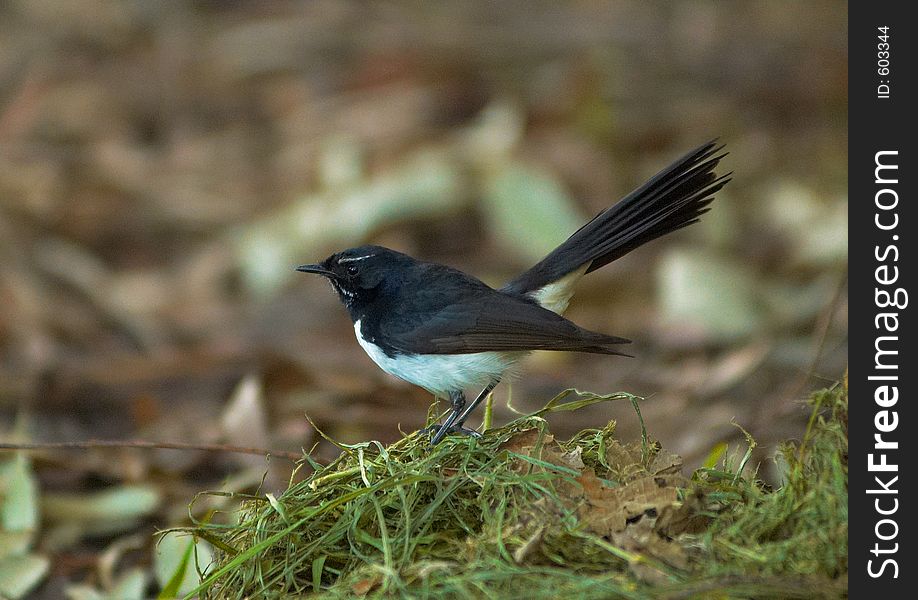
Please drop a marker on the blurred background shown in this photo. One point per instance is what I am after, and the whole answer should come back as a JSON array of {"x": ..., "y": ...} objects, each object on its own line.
[{"x": 165, "y": 165}]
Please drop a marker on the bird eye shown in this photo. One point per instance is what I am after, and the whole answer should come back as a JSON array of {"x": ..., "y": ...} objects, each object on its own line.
[{"x": 352, "y": 269}]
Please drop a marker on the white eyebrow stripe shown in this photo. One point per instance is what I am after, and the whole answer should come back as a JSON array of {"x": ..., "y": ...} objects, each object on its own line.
[{"x": 354, "y": 258}]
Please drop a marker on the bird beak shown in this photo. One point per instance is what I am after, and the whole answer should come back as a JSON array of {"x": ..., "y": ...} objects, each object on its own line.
[{"x": 317, "y": 269}]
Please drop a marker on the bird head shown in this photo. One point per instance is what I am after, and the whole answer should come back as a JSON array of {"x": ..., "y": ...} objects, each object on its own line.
[{"x": 356, "y": 273}]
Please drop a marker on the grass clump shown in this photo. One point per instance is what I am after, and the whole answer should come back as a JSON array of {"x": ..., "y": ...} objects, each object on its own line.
[
  {"x": 518, "y": 513},
  {"x": 802, "y": 527}
]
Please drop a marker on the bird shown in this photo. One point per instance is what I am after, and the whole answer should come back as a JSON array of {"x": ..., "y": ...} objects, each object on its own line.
[{"x": 446, "y": 331}]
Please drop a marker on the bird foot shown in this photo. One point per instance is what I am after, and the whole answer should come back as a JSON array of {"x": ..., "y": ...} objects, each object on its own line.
[{"x": 439, "y": 432}]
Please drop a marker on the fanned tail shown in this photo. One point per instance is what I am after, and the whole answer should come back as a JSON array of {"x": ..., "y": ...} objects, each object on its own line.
[{"x": 674, "y": 198}]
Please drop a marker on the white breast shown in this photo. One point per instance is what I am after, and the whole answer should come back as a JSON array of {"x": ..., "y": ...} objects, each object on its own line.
[{"x": 441, "y": 373}]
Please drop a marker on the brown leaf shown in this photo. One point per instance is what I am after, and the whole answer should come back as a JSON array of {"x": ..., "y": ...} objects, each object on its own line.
[
  {"x": 524, "y": 441},
  {"x": 665, "y": 462},
  {"x": 365, "y": 586},
  {"x": 532, "y": 442},
  {"x": 683, "y": 517},
  {"x": 609, "y": 510},
  {"x": 625, "y": 461},
  {"x": 640, "y": 538}
]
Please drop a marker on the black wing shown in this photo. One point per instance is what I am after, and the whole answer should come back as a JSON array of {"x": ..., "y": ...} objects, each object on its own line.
[{"x": 481, "y": 319}]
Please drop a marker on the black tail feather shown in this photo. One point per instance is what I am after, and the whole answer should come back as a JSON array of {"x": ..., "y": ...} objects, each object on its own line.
[{"x": 674, "y": 198}]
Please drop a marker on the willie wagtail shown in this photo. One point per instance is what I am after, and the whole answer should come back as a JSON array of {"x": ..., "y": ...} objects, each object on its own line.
[{"x": 445, "y": 331}]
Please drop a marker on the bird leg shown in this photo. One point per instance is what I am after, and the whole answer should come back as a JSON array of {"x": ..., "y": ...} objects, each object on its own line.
[
  {"x": 461, "y": 412},
  {"x": 468, "y": 410},
  {"x": 457, "y": 398}
]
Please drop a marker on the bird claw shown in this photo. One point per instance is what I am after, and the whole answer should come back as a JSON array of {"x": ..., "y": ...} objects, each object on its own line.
[{"x": 439, "y": 433}]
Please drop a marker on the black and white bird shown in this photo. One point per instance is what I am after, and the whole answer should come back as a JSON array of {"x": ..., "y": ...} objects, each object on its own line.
[{"x": 446, "y": 331}]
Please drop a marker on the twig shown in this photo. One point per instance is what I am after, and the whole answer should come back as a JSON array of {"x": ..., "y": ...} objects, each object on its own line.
[{"x": 88, "y": 444}]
